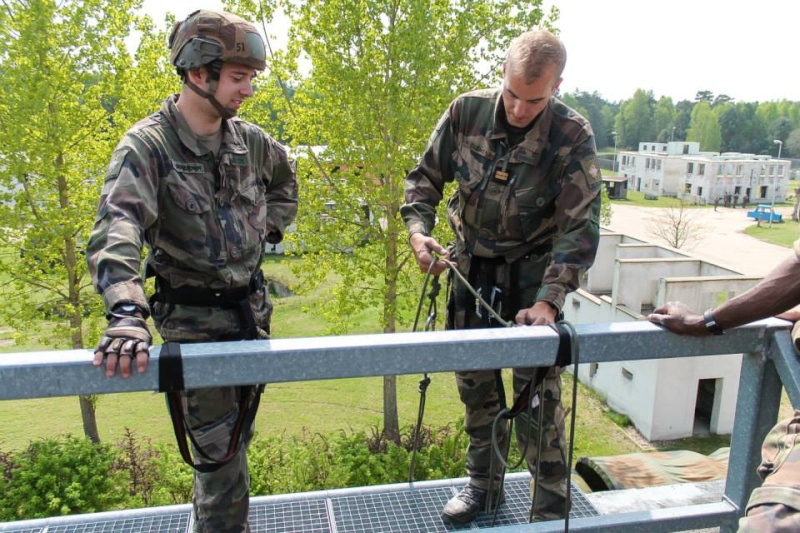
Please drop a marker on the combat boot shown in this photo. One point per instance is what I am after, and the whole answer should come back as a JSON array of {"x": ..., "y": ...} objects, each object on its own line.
[{"x": 469, "y": 503}]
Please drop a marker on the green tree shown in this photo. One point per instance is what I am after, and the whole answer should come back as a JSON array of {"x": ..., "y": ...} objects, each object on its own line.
[
  {"x": 635, "y": 122},
  {"x": 664, "y": 119},
  {"x": 683, "y": 116},
  {"x": 65, "y": 66},
  {"x": 381, "y": 74},
  {"x": 792, "y": 145},
  {"x": 597, "y": 111},
  {"x": 704, "y": 127},
  {"x": 741, "y": 129}
]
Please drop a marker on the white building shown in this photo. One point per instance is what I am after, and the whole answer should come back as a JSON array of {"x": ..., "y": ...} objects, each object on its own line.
[
  {"x": 664, "y": 399},
  {"x": 680, "y": 169}
]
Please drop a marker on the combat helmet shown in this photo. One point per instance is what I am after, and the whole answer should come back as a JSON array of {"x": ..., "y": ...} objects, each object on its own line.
[{"x": 208, "y": 36}]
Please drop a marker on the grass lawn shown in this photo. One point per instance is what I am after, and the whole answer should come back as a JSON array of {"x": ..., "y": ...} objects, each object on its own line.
[
  {"x": 782, "y": 234},
  {"x": 636, "y": 198}
]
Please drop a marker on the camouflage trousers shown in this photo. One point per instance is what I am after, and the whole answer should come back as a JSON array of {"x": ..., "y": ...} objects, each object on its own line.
[
  {"x": 483, "y": 394},
  {"x": 775, "y": 506},
  {"x": 221, "y": 498}
]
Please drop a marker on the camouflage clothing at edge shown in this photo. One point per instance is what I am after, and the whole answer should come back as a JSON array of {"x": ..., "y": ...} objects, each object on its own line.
[
  {"x": 775, "y": 506},
  {"x": 205, "y": 221},
  {"x": 525, "y": 218}
]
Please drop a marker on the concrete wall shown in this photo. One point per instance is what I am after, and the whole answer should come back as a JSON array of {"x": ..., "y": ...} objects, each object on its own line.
[{"x": 659, "y": 396}]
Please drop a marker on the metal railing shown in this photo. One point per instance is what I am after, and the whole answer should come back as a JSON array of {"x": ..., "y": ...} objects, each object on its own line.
[{"x": 769, "y": 360}]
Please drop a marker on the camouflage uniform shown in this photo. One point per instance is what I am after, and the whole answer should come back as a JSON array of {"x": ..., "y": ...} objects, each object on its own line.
[
  {"x": 774, "y": 506},
  {"x": 205, "y": 222},
  {"x": 525, "y": 219}
]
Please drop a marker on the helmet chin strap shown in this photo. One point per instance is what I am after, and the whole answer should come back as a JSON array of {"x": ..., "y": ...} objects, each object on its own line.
[{"x": 210, "y": 96}]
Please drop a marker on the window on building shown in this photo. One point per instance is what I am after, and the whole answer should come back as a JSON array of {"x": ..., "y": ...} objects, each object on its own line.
[
  {"x": 720, "y": 169},
  {"x": 763, "y": 169},
  {"x": 687, "y": 188},
  {"x": 780, "y": 170},
  {"x": 685, "y": 149},
  {"x": 771, "y": 170},
  {"x": 737, "y": 190},
  {"x": 699, "y": 191},
  {"x": 658, "y": 164},
  {"x": 689, "y": 168},
  {"x": 701, "y": 169},
  {"x": 738, "y": 170}
]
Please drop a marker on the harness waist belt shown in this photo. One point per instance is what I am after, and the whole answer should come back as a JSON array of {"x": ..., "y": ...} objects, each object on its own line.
[{"x": 205, "y": 297}]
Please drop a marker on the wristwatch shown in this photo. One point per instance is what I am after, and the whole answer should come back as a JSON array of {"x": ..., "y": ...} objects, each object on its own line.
[
  {"x": 711, "y": 324},
  {"x": 126, "y": 309}
]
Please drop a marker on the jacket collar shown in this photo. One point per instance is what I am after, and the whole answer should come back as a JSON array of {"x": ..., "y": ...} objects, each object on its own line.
[
  {"x": 536, "y": 140},
  {"x": 232, "y": 141}
]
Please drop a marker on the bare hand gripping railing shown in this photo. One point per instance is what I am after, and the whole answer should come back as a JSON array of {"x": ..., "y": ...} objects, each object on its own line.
[{"x": 769, "y": 361}]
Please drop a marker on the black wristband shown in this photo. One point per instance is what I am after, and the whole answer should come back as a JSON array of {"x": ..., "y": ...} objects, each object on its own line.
[{"x": 711, "y": 324}]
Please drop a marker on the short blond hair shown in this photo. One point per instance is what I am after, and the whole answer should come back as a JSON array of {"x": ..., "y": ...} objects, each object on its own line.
[{"x": 533, "y": 52}]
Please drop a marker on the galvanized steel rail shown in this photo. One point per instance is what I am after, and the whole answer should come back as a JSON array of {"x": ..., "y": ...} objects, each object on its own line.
[{"x": 769, "y": 361}]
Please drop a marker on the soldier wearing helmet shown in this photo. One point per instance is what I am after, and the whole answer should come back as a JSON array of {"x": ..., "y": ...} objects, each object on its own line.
[
  {"x": 204, "y": 191},
  {"x": 209, "y": 39}
]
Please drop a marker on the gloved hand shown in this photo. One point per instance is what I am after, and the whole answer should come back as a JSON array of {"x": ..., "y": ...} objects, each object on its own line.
[{"x": 126, "y": 337}]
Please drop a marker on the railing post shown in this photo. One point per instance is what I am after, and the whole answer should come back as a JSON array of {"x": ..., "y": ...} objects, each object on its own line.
[{"x": 756, "y": 413}]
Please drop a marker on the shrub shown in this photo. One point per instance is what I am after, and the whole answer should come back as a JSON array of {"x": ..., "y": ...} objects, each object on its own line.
[
  {"x": 62, "y": 476},
  {"x": 138, "y": 461}
]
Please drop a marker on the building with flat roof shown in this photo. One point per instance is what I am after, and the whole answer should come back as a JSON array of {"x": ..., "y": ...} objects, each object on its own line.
[
  {"x": 670, "y": 398},
  {"x": 681, "y": 170}
]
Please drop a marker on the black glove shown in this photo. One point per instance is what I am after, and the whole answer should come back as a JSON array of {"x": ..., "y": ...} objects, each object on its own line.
[{"x": 125, "y": 335}]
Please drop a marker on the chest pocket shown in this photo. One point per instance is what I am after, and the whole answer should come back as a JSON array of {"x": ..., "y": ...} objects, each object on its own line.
[
  {"x": 473, "y": 160},
  {"x": 253, "y": 206},
  {"x": 186, "y": 217},
  {"x": 533, "y": 203},
  {"x": 193, "y": 202}
]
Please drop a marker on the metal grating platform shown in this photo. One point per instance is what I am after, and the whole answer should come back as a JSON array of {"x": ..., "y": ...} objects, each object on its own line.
[{"x": 400, "y": 508}]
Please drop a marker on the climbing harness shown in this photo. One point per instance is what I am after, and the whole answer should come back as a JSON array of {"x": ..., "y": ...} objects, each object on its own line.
[
  {"x": 529, "y": 398},
  {"x": 170, "y": 371}
]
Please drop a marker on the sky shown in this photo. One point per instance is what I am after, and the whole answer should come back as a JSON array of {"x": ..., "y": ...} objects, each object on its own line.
[{"x": 673, "y": 48}]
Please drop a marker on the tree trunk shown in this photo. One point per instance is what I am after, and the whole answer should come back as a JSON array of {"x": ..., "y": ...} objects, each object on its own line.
[
  {"x": 391, "y": 420},
  {"x": 71, "y": 257},
  {"x": 89, "y": 418}
]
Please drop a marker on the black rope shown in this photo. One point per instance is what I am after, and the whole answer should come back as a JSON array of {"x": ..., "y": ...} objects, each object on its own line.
[
  {"x": 422, "y": 388},
  {"x": 568, "y": 352}
]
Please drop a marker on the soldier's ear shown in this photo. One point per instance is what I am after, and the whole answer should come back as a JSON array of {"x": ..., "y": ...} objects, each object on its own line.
[{"x": 198, "y": 76}]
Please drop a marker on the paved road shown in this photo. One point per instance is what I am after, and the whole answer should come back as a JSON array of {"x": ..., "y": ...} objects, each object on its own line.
[{"x": 723, "y": 240}]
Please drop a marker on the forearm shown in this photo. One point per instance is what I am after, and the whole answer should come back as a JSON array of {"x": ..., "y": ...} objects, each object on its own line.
[{"x": 776, "y": 293}]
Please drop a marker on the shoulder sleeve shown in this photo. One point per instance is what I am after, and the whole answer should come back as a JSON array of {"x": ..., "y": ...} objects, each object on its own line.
[
  {"x": 280, "y": 176},
  {"x": 128, "y": 206}
]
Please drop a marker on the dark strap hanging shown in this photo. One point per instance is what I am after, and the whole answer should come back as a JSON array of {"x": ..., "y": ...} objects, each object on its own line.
[
  {"x": 563, "y": 358},
  {"x": 171, "y": 383}
]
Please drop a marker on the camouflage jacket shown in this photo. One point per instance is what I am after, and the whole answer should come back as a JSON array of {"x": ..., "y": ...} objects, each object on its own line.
[
  {"x": 541, "y": 196},
  {"x": 205, "y": 224}
]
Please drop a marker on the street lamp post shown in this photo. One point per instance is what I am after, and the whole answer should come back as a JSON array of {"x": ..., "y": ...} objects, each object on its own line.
[
  {"x": 775, "y": 182},
  {"x": 614, "y": 164}
]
